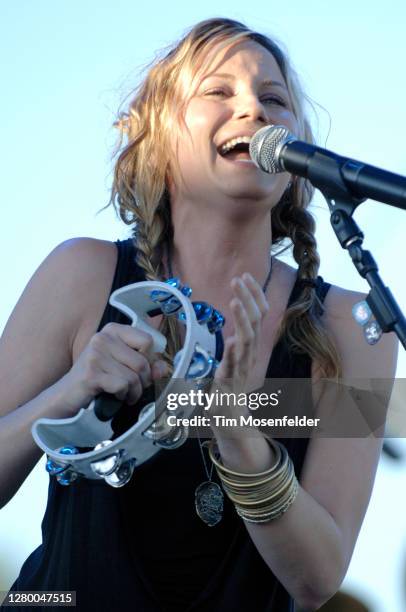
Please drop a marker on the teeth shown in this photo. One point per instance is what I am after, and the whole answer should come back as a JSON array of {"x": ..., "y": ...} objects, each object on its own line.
[{"x": 230, "y": 144}]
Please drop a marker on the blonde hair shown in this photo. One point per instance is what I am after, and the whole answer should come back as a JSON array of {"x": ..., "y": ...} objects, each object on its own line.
[{"x": 139, "y": 188}]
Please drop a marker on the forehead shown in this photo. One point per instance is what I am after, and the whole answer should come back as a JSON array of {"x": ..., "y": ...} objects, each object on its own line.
[{"x": 245, "y": 57}]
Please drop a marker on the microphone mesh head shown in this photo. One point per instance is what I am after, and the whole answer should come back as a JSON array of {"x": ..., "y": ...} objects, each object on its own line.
[{"x": 265, "y": 146}]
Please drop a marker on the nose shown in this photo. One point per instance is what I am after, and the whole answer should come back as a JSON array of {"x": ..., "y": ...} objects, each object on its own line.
[{"x": 249, "y": 106}]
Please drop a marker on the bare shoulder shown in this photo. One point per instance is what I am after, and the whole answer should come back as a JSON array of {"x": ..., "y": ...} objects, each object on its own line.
[
  {"x": 86, "y": 263},
  {"x": 77, "y": 276},
  {"x": 66, "y": 295},
  {"x": 358, "y": 357},
  {"x": 83, "y": 257}
]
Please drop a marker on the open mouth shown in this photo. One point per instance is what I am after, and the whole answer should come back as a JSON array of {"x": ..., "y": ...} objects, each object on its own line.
[{"x": 239, "y": 151}]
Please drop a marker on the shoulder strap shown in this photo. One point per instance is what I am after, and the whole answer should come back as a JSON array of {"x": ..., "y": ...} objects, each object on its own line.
[
  {"x": 322, "y": 288},
  {"x": 127, "y": 271}
]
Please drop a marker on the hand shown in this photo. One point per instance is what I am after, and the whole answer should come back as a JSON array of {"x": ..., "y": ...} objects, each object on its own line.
[
  {"x": 118, "y": 360},
  {"x": 248, "y": 307}
]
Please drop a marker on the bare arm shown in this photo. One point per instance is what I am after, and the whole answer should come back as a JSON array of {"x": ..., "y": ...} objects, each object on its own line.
[
  {"x": 52, "y": 361},
  {"x": 309, "y": 548},
  {"x": 36, "y": 348}
]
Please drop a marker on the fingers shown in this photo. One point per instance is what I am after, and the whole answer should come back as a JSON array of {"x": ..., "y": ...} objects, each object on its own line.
[
  {"x": 248, "y": 308},
  {"x": 256, "y": 292},
  {"x": 118, "y": 363},
  {"x": 226, "y": 368},
  {"x": 251, "y": 295},
  {"x": 245, "y": 336},
  {"x": 116, "y": 353},
  {"x": 134, "y": 338}
]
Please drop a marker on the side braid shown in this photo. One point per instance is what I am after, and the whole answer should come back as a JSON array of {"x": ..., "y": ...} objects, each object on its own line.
[
  {"x": 302, "y": 324},
  {"x": 149, "y": 243},
  {"x": 144, "y": 204},
  {"x": 150, "y": 219}
]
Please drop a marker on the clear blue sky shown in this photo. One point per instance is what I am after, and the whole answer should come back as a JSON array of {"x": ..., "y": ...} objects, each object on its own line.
[{"x": 65, "y": 67}]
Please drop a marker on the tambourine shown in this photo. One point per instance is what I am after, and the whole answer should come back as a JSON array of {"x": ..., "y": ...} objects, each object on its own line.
[{"x": 67, "y": 441}]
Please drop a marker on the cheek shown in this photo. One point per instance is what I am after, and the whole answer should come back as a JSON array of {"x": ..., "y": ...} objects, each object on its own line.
[
  {"x": 186, "y": 148},
  {"x": 284, "y": 116},
  {"x": 197, "y": 122}
]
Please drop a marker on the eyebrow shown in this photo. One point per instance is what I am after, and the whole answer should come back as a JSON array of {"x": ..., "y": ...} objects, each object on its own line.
[{"x": 267, "y": 82}]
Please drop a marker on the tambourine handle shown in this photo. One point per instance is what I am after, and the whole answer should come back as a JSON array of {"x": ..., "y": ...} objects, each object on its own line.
[{"x": 106, "y": 406}]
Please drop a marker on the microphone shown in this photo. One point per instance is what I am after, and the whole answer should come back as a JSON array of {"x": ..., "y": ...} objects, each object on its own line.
[{"x": 274, "y": 149}]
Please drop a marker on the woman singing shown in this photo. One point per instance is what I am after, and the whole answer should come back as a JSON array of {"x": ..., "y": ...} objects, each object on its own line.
[{"x": 200, "y": 210}]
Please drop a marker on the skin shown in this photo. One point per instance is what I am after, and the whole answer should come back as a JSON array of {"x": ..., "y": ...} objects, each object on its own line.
[{"x": 52, "y": 360}]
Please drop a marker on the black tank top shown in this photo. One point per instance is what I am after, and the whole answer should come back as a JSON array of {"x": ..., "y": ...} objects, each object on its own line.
[{"x": 142, "y": 547}]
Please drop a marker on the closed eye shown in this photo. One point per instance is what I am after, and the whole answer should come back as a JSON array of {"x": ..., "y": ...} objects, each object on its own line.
[
  {"x": 215, "y": 92},
  {"x": 273, "y": 100},
  {"x": 269, "y": 99}
]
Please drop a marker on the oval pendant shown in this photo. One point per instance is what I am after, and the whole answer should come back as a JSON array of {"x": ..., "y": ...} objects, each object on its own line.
[{"x": 209, "y": 502}]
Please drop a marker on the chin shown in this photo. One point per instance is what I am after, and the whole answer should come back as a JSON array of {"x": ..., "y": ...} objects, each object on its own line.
[{"x": 254, "y": 192}]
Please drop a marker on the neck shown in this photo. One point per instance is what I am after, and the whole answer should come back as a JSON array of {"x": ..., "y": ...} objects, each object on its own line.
[{"x": 208, "y": 252}]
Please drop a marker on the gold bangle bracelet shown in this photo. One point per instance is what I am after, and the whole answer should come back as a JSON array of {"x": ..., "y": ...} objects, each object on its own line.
[
  {"x": 273, "y": 514},
  {"x": 269, "y": 485},
  {"x": 273, "y": 479},
  {"x": 274, "y": 474},
  {"x": 269, "y": 508},
  {"x": 276, "y": 446},
  {"x": 263, "y": 497},
  {"x": 274, "y": 507}
]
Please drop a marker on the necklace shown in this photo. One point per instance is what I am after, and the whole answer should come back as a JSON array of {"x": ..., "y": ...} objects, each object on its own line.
[{"x": 209, "y": 497}]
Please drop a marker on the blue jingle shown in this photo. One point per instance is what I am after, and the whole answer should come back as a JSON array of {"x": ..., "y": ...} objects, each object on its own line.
[
  {"x": 216, "y": 322},
  {"x": 201, "y": 365},
  {"x": 66, "y": 477},
  {"x": 157, "y": 295},
  {"x": 173, "y": 282},
  {"x": 54, "y": 468},
  {"x": 61, "y": 471},
  {"x": 203, "y": 311},
  {"x": 68, "y": 450},
  {"x": 187, "y": 291},
  {"x": 170, "y": 305}
]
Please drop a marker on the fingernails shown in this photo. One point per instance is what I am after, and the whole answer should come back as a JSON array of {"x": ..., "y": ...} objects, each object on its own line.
[{"x": 238, "y": 282}]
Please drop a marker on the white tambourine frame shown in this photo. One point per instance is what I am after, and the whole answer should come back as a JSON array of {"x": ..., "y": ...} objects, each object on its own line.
[{"x": 86, "y": 430}]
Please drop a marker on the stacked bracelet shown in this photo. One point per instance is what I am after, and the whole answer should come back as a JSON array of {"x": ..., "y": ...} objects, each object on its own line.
[{"x": 261, "y": 497}]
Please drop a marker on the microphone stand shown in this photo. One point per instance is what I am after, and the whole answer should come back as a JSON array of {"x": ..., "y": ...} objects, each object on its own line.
[
  {"x": 342, "y": 204},
  {"x": 380, "y": 298}
]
